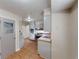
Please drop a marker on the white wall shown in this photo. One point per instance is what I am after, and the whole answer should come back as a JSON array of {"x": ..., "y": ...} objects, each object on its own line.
[
  {"x": 16, "y": 18},
  {"x": 65, "y": 34},
  {"x": 74, "y": 33},
  {"x": 60, "y": 35}
]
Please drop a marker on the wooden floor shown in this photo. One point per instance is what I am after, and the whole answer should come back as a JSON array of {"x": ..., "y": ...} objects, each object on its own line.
[{"x": 29, "y": 51}]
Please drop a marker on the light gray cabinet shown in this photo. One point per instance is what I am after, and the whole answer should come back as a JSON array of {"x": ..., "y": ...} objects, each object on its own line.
[
  {"x": 47, "y": 23},
  {"x": 44, "y": 49}
]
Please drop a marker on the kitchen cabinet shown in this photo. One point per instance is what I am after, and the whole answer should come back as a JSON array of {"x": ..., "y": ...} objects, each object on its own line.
[
  {"x": 47, "y": 20},
  {"x": 47, "y": 23},
  {"x": 44, "y": 48}
]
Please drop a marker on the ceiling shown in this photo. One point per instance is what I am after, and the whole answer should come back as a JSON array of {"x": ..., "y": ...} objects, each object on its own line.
[
  {"x": 26, "y": 7},
  {"x": 34, "y": 8},
  {"x": 61, "y": 5}
]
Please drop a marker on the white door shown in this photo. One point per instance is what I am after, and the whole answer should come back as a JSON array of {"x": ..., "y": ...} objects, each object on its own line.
[{"x": 8, "y": 37}]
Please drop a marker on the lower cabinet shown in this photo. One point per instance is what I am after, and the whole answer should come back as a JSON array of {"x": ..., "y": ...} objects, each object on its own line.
[{"x": 44, "y": 49}]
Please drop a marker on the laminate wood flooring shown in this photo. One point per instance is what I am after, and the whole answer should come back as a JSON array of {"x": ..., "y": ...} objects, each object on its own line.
[{"x": 29, "y": 51}]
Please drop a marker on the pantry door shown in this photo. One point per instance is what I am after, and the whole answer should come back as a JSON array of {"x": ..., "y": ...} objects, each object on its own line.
[{"x": 8, "y": 37}]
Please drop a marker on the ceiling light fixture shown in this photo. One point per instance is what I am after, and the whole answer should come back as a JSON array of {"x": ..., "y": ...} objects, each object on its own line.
[{"x": 29, "y": 19}]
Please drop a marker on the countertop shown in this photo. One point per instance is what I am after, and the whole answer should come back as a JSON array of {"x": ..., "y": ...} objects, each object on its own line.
[{"x": 44, "y": 39}]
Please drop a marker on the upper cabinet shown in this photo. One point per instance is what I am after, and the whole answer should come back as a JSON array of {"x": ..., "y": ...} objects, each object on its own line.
[{"x": 47, "y": 20}]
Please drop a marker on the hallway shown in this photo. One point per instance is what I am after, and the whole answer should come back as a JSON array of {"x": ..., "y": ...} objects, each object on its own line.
[
  {"x": 29, "y": 51},
  {"x": 54, "y": 24}
]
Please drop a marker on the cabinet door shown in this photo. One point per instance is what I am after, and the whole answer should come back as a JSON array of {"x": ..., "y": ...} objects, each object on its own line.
[
  {"x": 8, "y": 37},
  {"x": 44, "y": 49},
  {"x": 47, "y": 23}
]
